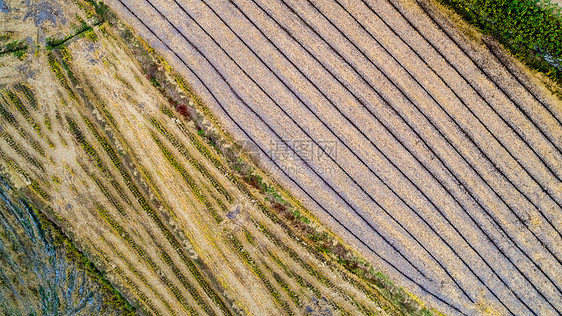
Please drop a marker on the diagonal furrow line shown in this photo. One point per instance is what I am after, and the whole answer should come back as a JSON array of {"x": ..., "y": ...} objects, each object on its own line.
[
  {"x": 546, "y": 191},
  {"x": 386, "y": 158},
  {"x": 265, "y": 153},
  {"x": 463, "y": 131},
  {"x": 525, "y": 86},
  {"x": 553, "y": 226},
  {"x": 401, "y": 144},
  {"x": 481, "y": 69},
  {"x": 357, "y": 184},
  {"x": 511, "y": 127},
  {"x": 484, "y": 209},
  {"x": 457, "y": 96}
]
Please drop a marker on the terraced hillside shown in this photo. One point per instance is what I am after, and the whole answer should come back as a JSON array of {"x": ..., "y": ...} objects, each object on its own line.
[
  {"x": 111, "y": 146},
  {"x": 421, "y": 143}
]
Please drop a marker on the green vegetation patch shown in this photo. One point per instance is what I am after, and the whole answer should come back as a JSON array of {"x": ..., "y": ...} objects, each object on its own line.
[
  {"x": 530, "y": 29},
  {"x": 17, "y": 48}
]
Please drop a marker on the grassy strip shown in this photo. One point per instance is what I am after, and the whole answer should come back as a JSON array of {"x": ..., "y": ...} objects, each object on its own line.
[
  {"x": 530, "y": 29},
  {"x": 53, "y": 43},
  {"x": 17, "y": 48},
  {"x": 244, "y": 255}
]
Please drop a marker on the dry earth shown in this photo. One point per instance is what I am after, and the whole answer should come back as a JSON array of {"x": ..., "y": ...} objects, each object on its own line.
[
  {"x": 424, "y": 146},
  {"x": 87, "y": 133}
]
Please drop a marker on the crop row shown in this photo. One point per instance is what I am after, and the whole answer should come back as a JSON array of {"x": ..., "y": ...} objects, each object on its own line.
[
  {"x": 196, "y": 164},
  {"x": 28, "y": 93},
  {"x": 100, "y": 105},
  {"x": 48, "y": 123},
  {"x": 90, "y": 150},
  {"x": 244, "y": 255},
  {"x": 9, "y": 117},
  {"x": 221, "y": 204},
  {"x": 24, "y": 111},
  {"x": 320, "y": 253},
  {"x": 108, "y": 194},
  {"x": 200, "y": 147},
  {"x": 183, "y": 280},
  {"x": 284, "y": 285},
  {"x": 303, "y": 282},
  {"x": 242, "y": 187},
  {"x": 316, "y": 274},
  {"x": 56, "y": 69},
  {"x": 294, "y": 255},
  {"x": 22, "y": 152},
  {"x": 86, "y": 146},
  {"x": 188, "y": 179},
  {"x": 65, "y": 61},
  {"x": 34, "y": 184},
  {"x": 142, "y": 254},
  {"x": 153, "y": 215},
  {"x": 135, "y": 289},
  {"x": 138, "y": 274}
]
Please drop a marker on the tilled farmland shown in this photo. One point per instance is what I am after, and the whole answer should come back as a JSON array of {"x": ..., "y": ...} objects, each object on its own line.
[
  {"x": 426, "y": 148},
  {"x": 122, "y": 195}
]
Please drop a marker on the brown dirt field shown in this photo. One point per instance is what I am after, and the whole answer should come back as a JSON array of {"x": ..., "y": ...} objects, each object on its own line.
[
  {"x": 447, "y": 172},
  {"x": 149, "y": 201}
]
